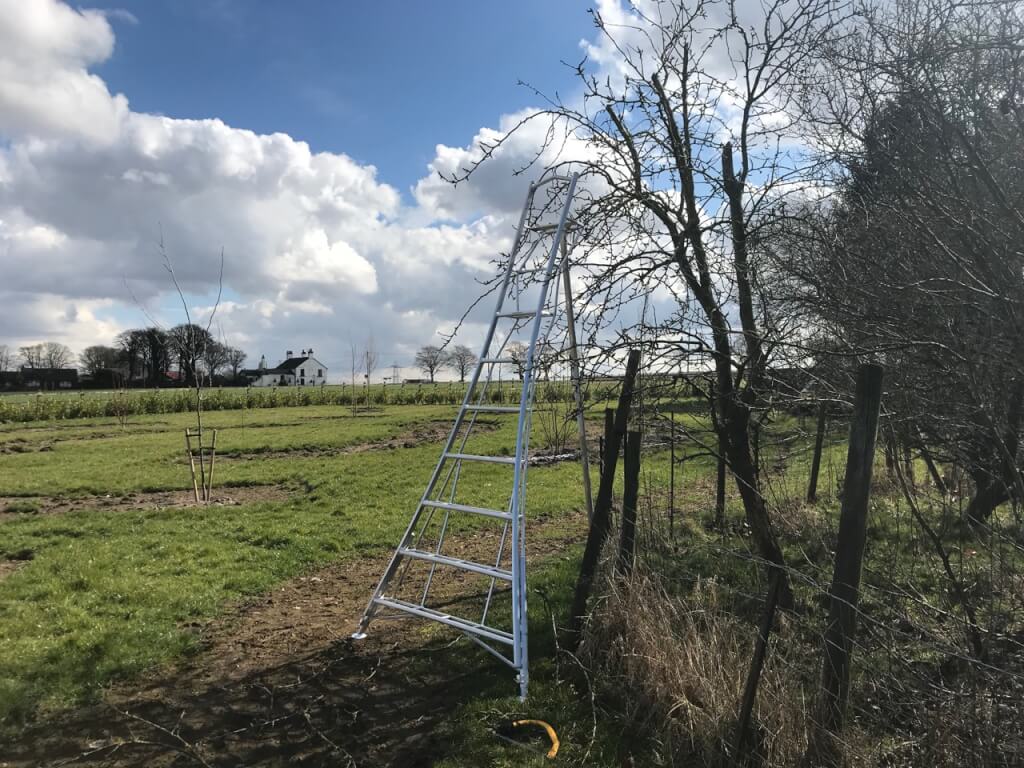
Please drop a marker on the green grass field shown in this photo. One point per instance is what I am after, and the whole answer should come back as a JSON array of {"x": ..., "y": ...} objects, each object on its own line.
[
  {"x": 105, "y": 592},
  {"x": 98, "y": 586}
]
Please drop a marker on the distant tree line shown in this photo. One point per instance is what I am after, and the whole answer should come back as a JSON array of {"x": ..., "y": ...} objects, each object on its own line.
[
  {"x": 140, "y": 356},
  {"x": 461, "y": 360},
  {"x": 152, "y": 355}
]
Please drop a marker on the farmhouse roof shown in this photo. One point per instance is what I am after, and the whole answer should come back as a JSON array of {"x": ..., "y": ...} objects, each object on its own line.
[
  {"x": 291, "y": 364},
  {"x": 264, "y": 371}
]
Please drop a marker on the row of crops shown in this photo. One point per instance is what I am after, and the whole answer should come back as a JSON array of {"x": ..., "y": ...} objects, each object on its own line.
[{"x": 79, "y": 405}]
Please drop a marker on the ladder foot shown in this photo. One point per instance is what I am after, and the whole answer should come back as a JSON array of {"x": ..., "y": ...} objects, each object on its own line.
[{"x": 358, "y": 635}]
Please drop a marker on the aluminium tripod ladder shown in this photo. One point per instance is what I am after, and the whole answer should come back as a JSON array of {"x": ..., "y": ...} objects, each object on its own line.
[{"x": 461, "y": 495}]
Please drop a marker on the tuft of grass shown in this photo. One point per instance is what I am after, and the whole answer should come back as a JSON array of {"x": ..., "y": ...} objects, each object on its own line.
[
  {"x": 675, "y": 666},
  {"x": 22, "y": 506}
]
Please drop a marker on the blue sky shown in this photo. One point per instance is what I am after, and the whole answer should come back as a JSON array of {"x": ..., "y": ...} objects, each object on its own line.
[
  {"x": 302, "y": 138},
  {"x": 382, "y": 82}
]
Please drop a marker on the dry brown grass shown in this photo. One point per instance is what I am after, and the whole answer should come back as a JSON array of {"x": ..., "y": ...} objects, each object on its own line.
[{"x": 676, "y": 667}]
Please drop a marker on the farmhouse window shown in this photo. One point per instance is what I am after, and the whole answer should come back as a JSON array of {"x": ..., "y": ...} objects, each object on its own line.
[
  {"x": 302, "y": 371},
  {"x": 319, "y": 373}
]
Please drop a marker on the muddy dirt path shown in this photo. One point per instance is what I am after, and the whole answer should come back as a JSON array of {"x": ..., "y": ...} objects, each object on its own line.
[
  {"x": 18, "y": 507},
  {"x": 277, "y": 681},
  {"x": 422, "y": 434}
]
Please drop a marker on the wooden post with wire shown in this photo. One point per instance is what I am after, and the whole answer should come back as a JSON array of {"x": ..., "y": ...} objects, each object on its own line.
[
  {"x": 672, "y": 476},
  {"x": 819, "y": 442},
  {"x": 630, "y": 496}
]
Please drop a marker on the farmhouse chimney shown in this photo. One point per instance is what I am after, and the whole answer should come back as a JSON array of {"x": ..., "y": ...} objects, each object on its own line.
[
  {"x": 288, "y": 355},
  {"x": 263, "y": 362}
]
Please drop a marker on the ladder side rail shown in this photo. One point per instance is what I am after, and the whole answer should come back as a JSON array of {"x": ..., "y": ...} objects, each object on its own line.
[
  {"x": 520, "y": 544},
  {"x": 518, "y": 576}
]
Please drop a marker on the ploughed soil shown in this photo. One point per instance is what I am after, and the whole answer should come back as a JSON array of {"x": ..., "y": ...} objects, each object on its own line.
[
  {"x": 429, "y": 432},
  {"x": 18, "y": 507},
  {"x": 277, "y": 681},
  {"x": 7, "y": 567}
]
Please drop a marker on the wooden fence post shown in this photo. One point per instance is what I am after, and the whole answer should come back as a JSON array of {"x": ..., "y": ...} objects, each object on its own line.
[
  {"x": 819, "y": 442},
  {"x": 830, "y": 712},
  {"x": 672, "y": 476},
  {"x": 720, "y": 485},
  {"x": 609, "y": 432},
  {"x": 630, "y": 495},
  {"x": 601, "y": 523}
]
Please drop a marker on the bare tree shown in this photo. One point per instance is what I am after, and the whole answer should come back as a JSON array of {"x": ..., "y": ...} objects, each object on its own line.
[
  {"x": 32, "y": 355},
  {"x": 461, "y": 360},
  {"x": 190, "y": 341},
  {"x": 97, "y": 358},
  {"x": 355, "y": 362},
  {"x": 57, "y": 355},
  {"x": 517, "y": 353},
  {"x": 156, "y": 353},
  {"x": 215, "y": 357},
  {"x": 235, "y": 359},
  {"x": 370, "y": 358},
  {"x": 684, "y": 164},
  {"x": 430, "y": 359},
  {"x": 130, "y": 345}
]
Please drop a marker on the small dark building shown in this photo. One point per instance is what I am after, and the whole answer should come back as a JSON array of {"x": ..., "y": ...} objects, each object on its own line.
[
  {"x": 49, "y": 378},
  {"x": 10, "y": 380}
]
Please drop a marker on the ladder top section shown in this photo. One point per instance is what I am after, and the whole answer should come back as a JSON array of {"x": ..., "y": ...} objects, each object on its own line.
[{"x": 552, "y": 178}]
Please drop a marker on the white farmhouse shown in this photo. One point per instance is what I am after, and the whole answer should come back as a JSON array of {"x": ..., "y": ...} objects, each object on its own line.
[{"x": 302, "y": 371}]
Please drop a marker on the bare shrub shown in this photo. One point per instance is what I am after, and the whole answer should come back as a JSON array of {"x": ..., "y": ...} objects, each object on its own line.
[{"x": 556, "y": 424}]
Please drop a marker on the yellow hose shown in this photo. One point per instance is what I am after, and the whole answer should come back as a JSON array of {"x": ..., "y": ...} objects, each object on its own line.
[{"x": 555, "y": 743}]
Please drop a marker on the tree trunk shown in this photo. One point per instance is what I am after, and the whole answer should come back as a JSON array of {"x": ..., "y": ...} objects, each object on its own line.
[
  {"x": 993, "y": 490},
  {"x": 824, "y": 748},
  {"x": 754, "y": 507}
]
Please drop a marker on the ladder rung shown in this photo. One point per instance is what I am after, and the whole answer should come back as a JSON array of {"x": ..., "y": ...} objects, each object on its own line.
[
  {"x": 493, "y": 408},
  {"x": 454, "y": 562},
  {"x": 467, "y": 508},
  {"x": 530, "y": 271},
  {"x": 523, "y": 315},
  {"x": 544, "y": 228},
  {"x": 477, "y": 457},
  {"x": 489, "y": 360},
  {"x": 470, "y": 627}
]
